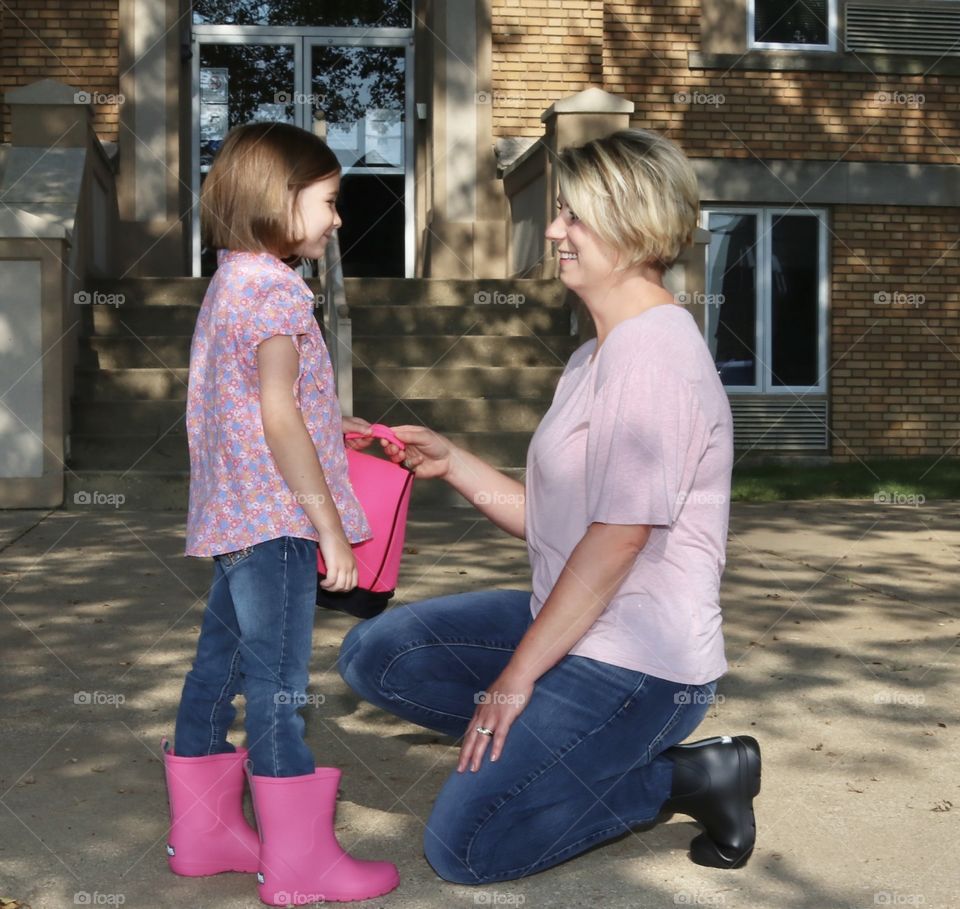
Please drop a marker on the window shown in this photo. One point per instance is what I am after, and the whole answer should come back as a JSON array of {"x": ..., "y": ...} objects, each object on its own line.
[
  {"x": 329, "y": 13},
  {"x": 767, "y": 298},
  {"x": 792, "y": 24}
]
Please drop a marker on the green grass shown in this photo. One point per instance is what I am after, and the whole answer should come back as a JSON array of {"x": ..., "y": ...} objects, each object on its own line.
[{"x": 914, "y": 477}]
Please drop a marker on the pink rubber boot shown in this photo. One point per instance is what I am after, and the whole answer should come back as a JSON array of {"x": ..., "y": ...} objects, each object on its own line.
[
  {"x": 208, "y": 832},
  {"x": 301, "y": 861}
]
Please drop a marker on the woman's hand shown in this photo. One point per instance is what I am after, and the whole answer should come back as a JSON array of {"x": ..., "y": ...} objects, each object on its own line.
[
  {"x": 499, "y": 707},
  {"x": 356, "y": 424},
  {"x": 427, "y": 453},
  {"x": 340, "y": 562}
]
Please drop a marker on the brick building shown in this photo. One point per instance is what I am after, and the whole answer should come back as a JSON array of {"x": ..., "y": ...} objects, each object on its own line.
[{"x": 824, "y": 133}]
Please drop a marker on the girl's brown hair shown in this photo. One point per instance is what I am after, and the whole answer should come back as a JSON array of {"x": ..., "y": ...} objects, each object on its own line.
[{"x": 247, "y": 201}]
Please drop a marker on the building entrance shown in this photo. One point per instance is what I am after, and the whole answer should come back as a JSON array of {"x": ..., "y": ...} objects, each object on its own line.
[{"x": 344, "y": 71}]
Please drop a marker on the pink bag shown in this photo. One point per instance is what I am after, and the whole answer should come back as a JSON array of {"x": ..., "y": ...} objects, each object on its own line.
[{"x": 383, "y": 489}]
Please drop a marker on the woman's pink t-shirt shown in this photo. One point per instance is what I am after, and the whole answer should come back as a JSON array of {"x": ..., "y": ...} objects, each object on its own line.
[
  {"x": 237, "y": 496},
  {"x": 640, "y": 434}
]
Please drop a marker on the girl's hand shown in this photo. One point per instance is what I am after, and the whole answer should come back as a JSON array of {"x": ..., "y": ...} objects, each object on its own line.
[
  {"x": 340, "y": 562},
  {"x": 356, "y": 424},
  {"x": 427, "y": 454},
  {"x": 500, "y": 706}
]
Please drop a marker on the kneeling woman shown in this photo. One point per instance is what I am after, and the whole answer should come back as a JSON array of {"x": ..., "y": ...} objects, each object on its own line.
[{"x": 571, "y": 701}]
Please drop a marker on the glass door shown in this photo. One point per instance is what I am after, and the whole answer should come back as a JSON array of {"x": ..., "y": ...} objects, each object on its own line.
[
  {"x": 350, "y": 86},
  {"x": 238, "y": 82},
  {"x": 358, "y": 101}
]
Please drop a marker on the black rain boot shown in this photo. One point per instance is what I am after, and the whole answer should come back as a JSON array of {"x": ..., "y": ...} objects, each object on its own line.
[{"x": 715, "y": 782}]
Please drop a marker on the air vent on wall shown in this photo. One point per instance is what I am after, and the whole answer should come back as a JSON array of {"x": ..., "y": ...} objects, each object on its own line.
[
  {"x": 911, "y": 28},
  {"x": 779, "y": 422}
]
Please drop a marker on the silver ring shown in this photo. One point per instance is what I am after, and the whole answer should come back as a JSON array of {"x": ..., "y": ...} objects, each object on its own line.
[
  {"x": 484, "y": 731},
  {"x": 407, "y": 464}
]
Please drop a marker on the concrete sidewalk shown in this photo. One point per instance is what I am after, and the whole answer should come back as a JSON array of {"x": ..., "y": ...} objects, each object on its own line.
[{"x": 842, "y": 626}]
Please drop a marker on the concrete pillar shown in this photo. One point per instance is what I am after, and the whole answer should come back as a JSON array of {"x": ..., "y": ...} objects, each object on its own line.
[{"x": 465, "y": 225}]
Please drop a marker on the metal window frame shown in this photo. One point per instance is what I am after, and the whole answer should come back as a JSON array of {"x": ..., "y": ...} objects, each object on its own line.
[
  {"x": 833, "y": 21},
  {"x": 763, "y": 303}
]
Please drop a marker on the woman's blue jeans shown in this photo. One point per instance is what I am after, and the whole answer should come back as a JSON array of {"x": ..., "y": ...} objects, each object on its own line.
[
  {"x": 580, "y": 764},
  {"x": 256, "y": 638}
]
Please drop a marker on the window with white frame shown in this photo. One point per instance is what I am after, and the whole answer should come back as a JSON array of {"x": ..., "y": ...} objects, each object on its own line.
[
  {"x": 766, "y": 318},
  {"x": 792, "y": 24}
]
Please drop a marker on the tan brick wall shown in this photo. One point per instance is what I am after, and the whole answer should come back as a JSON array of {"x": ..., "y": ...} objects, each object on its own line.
[
  {"x": 541, "y": 51},
  {"x": 644, "y": 48},
  {"x": 895, "y": 381},
  {"x": 73, "y": 41}
]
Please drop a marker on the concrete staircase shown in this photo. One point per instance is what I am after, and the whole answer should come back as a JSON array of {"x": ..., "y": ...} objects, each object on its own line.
[{"x": 476, "y": 360}]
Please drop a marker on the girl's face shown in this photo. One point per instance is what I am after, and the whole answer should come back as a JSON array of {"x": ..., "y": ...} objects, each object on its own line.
[
  {"x": 585, "y": 260},
  {"x": 315, "y": 216}
]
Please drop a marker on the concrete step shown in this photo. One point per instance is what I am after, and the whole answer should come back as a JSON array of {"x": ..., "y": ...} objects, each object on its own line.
[
  {"x": 155, "y": 417},
  {"x": 156, "y": 490},
  {"x": 459, "y": 320},
  {"x": 462, "y": 382},
  {"x": 413, "y": 382},
  {"x": 180, "y": 319},
  {"x": 94, "y": 451},
  {"x": 140, "y": 292},
  {"x": 175, "y": 319},
  {"x": 450, "y": 414},
  {"x": 131, "y": 416},
  {"x": 489, "y": 293},
  {"x": 130, "y": 292},
  {"x": 173, "y": 351},
  {"x": 131, "y": 384},
  {"x": 461, "y": 350}
]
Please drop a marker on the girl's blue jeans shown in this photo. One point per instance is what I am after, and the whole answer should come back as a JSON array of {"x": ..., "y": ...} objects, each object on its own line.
[
  {"x": 255, "y": 638},
  {"x": 580, "y": 764}
]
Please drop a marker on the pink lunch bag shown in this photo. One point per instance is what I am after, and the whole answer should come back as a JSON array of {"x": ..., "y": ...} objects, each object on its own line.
[{"x": 383, "y": 489}]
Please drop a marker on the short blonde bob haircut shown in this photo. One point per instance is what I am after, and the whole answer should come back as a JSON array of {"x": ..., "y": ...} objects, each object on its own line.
[
  {"x": 637, "y": 191},
  {"x": 247, "y": 201}
]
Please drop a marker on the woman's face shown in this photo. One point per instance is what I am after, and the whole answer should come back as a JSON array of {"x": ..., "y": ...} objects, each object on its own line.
[
  {"x": 316, "y": 217},
  {"x": 585, "y": 260}
]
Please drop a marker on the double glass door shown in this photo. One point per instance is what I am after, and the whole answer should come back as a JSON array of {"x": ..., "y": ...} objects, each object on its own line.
[{"x": 351, "y": 87}]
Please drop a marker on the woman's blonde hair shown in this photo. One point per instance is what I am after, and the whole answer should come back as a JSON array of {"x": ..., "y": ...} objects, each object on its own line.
[
  {"x": 247, "y": 201},
  {"x": 637, "y": 191}
]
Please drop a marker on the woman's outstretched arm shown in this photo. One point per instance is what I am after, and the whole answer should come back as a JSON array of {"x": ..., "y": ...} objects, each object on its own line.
[{"x": 430, "y": 455}]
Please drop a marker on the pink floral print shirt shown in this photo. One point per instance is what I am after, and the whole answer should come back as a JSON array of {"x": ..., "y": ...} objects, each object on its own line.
[{"x": 237, "y": 496}]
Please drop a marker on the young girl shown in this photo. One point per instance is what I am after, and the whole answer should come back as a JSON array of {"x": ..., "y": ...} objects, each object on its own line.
[{"x": 268, "y": 485}]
